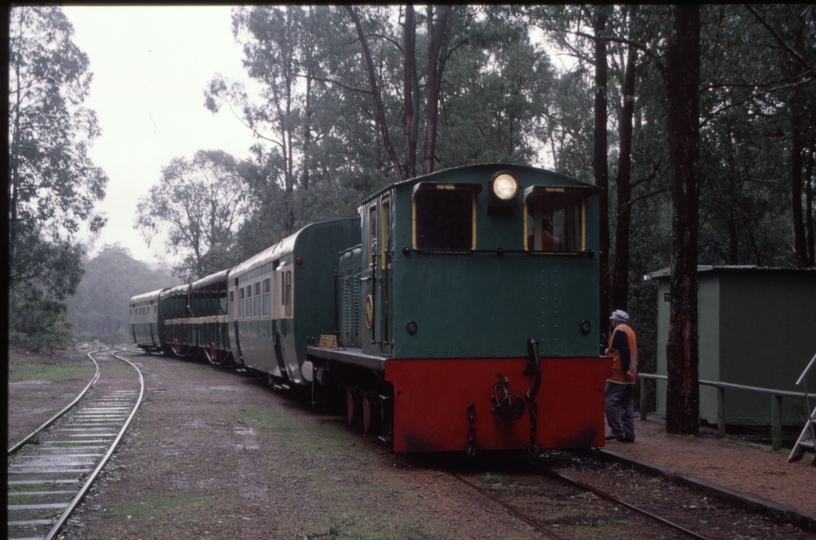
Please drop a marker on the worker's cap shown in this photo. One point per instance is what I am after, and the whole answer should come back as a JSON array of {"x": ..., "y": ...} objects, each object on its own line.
[{"x": 620, "y": 316}]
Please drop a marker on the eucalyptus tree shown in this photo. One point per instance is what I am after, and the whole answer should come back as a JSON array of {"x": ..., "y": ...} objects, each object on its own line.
[
  {"x": 271, "y": 38},
  {"x": 312, "y": 145},
  {"x": 498, "y": 92},
  {"x": 52, "y": 183},
  {"x": 200, "y": 204}
]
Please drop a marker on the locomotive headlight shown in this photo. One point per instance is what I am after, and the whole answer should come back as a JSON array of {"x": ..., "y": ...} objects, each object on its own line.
[{"x": 505, "y": 186}]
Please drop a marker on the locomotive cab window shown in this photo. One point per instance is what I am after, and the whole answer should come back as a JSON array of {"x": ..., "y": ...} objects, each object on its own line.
[
  {"x": 444, "y": 217},
  {"x": 554, "y": 219}
]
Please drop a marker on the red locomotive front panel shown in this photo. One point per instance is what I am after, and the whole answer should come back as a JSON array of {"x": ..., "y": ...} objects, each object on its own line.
[{"x": 433, "y": 410}]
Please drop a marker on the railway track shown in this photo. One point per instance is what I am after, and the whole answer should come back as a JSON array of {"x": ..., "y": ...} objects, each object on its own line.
[
  {"x": 580, "y": 494},
  {"x": 541, "y": 522},
  {"x": 52, "y": 469}
]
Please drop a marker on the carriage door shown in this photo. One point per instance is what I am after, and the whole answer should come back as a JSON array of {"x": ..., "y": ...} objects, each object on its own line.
[
  {"x": 368, "y": 339},
  {"x": 384, "y": 279},
  {"x": 235, "y": 309}
]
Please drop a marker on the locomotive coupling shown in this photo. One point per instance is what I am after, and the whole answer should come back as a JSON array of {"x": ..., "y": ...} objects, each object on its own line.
[
  {"x": 503, "y": 404},
  {"x": 533, "y": 368}
]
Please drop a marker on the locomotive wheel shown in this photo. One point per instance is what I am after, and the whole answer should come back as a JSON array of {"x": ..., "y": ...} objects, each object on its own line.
[
  {"x": 366, "y": 416},
  {"x": 350, "y": 408}
]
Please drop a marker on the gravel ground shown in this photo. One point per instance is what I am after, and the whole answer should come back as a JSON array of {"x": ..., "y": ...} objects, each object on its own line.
[
  {"x": 41, "y": 385},
  {"x": 217, "y": 455},
  {"x": 214, "y": 454}
]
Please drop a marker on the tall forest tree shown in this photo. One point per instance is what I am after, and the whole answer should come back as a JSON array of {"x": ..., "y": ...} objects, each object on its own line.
[
  {"x": 52, "y": 183},
  {"x": 200, "y": 204},
  {"x": 682, "y": 78},
  {"x": 325, "y": 140}
]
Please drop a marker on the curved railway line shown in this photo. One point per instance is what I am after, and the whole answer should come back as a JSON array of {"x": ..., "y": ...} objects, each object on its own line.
[{"x": 52, "y": 469}]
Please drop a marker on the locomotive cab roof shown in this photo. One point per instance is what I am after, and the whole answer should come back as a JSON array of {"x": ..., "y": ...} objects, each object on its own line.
[{"x": 526, "y": 175}]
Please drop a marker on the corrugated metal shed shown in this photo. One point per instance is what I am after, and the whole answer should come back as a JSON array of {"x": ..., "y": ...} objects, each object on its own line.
[{"x": 757, "y": 327}]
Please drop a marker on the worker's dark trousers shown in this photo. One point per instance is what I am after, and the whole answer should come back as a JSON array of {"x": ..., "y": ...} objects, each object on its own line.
[{"x": 620, "y": 409}]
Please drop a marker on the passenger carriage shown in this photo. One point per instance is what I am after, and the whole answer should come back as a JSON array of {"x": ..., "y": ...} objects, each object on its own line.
[
  {"x": 283, "y": 295},
  {"x": 174, "y": 309},
  {"x": 145, "y": 323},
  {"x": 208, "y": 317}
]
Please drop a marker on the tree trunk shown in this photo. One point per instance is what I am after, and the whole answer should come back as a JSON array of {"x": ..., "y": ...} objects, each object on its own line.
[
  {"x": 799, "y": 241},
  {"x": 375, "y": 93},
  {"x": 809, "y": 205},
  {"x": 410, "y": 116},
  {"x": 600, "y": 164},
  {"x": 683, "y": 111},
  {"x": 437, "y": 52},
  {"x": 307, "y": 133},
  {"x": 620, "y": 267}
]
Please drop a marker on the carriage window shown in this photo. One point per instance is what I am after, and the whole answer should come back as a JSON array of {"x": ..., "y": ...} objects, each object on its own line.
[
  {"x": 241, "y": 303},
  {"x": 248, "y": 313},
  {"x": 257, "y": 312},
  {"x": 288, "y": 293},
  {"x": 267, "y": 298},
  {"x": 231, "y": 308},
  {"x": 554, "y": 219},
  {"x": 444, "y": 217}
]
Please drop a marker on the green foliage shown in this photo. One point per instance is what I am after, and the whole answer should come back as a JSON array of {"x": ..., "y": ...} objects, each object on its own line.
[
  {"x": 53, "y": 185},
  {"x": 38, "y": 321},
  {"x": 201, "y": 203}
]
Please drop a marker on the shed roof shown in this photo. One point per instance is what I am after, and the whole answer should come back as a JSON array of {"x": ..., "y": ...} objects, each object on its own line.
[{"x": 666, "y": 272}]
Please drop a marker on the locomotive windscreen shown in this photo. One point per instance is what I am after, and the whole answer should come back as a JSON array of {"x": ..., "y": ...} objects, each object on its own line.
[{"x": 444, "y": 218}]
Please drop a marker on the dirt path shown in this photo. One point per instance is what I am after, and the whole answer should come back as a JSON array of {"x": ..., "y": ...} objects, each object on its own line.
[{"x": 728, "y": 463}]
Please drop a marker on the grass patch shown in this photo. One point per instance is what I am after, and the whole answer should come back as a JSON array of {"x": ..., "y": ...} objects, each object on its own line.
[
  {"x": 166, "y": 505},
  {"x": 492, "y": 478},
  {"x": 314, "y": 439},
  {"x": 49, "y": 372}
]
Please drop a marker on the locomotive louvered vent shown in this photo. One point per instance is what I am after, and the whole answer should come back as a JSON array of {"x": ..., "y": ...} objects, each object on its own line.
[
  {"x": 347, "y": 308},
  {"x": 355, "y": 314}
]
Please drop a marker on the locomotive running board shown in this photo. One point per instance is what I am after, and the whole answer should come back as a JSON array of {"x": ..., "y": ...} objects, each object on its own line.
[{"x": 348, "y": 356}]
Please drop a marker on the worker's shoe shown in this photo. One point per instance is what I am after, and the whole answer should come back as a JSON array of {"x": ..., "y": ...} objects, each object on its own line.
[
  {"x": 625, "y": 439},
  {"x": 612, "y": 437}
]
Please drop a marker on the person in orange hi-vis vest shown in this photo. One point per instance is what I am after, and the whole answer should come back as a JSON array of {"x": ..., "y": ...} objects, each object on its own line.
[{"x": 620, "y": 387}]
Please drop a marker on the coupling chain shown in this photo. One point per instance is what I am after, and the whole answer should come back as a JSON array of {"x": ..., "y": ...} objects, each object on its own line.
[{"x": 471, "y": 432}]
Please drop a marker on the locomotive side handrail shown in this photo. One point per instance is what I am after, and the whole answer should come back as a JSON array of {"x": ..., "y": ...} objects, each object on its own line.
[{"x": 776, "y": 402}]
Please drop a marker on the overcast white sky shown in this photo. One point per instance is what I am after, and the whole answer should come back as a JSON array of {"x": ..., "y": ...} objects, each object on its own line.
[{"x": 150, "y": 66}]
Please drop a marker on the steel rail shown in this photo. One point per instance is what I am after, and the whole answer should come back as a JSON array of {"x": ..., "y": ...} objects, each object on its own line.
[
  {"x": 616, "y": 500},
  {"x": 84, "y": 490},
  {"x": 67, "y": 408},
  {"x": 527, "y": 519}
]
